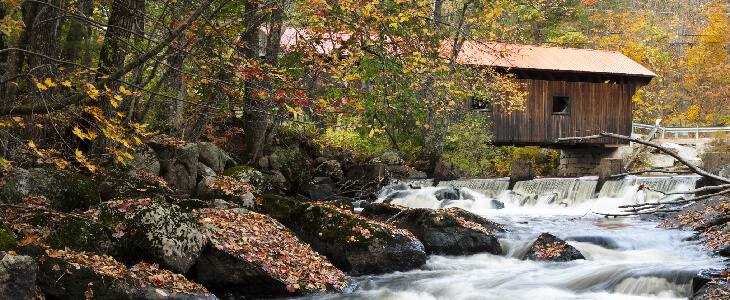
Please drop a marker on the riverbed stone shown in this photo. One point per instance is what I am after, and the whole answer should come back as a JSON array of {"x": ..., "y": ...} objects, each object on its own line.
[
  {"x": 352, "y": 243},
  {"x": 548, "y": 247},
  {"x": 17, "y": 276}
]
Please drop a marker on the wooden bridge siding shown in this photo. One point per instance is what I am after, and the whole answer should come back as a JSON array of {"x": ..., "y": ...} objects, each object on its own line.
[{"x": 593, "y": 107}]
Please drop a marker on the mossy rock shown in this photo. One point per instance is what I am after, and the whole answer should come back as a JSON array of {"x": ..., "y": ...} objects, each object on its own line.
[
  {"x": 381, "y": 211},
  {"x": 277, "y": 207},
  {"x": 342, "y": 204},
  {"x": 354, "y": 244},
  {"x": 74, "y": 233},
  {"x": 65, "y": 190},
  {"x": 261, "y": 181},
  {"x": 122, "y": 183},
  {"x": 295, "y": 166},
  {"x": 7, "y": 238},
  {"x": 443, "y": 233}
]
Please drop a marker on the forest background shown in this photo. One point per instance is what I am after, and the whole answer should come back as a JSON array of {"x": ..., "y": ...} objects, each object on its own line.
[{"x": 85, "y": 82}]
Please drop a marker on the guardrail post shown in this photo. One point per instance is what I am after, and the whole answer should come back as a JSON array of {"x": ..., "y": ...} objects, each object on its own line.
[{"x": 697, "y": 133}]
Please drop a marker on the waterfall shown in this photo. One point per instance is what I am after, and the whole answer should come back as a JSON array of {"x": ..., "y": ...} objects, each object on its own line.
[
  {"x": 491, "y": 188},
  {"x": 656, "y": 186},
  {"x": 564, "y": 191}
]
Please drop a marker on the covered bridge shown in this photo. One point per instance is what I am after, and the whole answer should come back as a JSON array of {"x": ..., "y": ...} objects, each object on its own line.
[{"x": 570, "y": 92}]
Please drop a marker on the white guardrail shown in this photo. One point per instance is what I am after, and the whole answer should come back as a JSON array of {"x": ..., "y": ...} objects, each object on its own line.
[{"x": 679, "y": 130}]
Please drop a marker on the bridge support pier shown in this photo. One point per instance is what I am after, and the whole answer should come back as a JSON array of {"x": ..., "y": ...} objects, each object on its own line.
[{"x": 576, "y": 162}]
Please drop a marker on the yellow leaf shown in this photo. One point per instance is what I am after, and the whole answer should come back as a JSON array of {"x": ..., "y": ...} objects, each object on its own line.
[
  {"x": 41, "y": 86},
  {"x": 372, "y": 132},
  {"x": 39, "y": 125},
  {"x": 6, "y": 123},
  {"x": 452, "y": 103},
  {"x": 66, "y": 83},
  {"x": 78, "y": 153},
  {"x": 18, "y": 119},
  {"x": 136, "y": 139},
  {"x": 4, "y": 162},
  {"x": 31, "y": 144},
  {"x": 120, "y": 159},
  {"x": 128, "y": 155},
  {"x": 49, "y": 83},
  {"x": 12, "y": 253}
]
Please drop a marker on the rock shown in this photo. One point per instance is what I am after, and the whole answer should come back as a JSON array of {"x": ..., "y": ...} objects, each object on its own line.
[
  {"x": 160, "y": 233},
  {"x": 188, "y": 205},
  {"x": 416, "y": 174},
  {"x": 75, "y": 233},
  {"x": 711, "y": 290},
  {"x": 346, "y": 159},
  {"x": 65, "y": 191},
  {"x": 246, "y": 200},
  {"x": 204, "y": 171},
  {"x": 263, "y": 163},
  {"x": 214, "y": 157},
  {"x": 521, "y": 170},
  {"x": 352, "y": 243},
  {"x": 381, "y": 212},
  {"x": 295, "y": 167},
  {"x": 17, "y": 277},
  {"x": 703, "y": 279},
  {"x": 547, "y": 247},
  {"x": 329, "y": 168},
  {"x": 496, "y": 204},
  {"x": 443, "y": 233},
  {"x": 686, "y": 153},
  {"x": 274, "y": 162},
  {"x": 447, "y": 171},
  {"x": 447, "y": 194},
  {"x": 80, "y": 275},
  {"x": 722, "y": 171},
  {"x": 178, "y": 165},
  {"x": 713, "y": 160},
  {"x": 319, "y": 189},
  {"x": 272, "y": 254},
  {"x": 389, "y": 157},
  {"x": 7, "y": 238},
  {"x": 605, "y": 242},
  {"x": 145, "y": 158},
  {"x": 204, "y": 192},
  {"x": 125, "y": 183},
  {"x": 263, "y": 183},
  {"x": 707, "y": 218}
]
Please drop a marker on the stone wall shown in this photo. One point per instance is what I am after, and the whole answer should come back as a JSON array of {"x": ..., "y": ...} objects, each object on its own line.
[
  {"x": 583, "y": 161},
  {"x": 712, "y": 160}
]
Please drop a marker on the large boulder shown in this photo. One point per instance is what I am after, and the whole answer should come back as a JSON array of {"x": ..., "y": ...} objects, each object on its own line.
[
  {"x": 700, "y": 215},
  {"x": 295, "y": 166},
  {"x": 66, "y": 274},
  {"x": 65, "y": 190},
  {"x": 154, "y": 232},
  {"x": 178, "y": 164},
  {"x": 547, "y": 247},
  {"x": 442, "y": 231},
  {"x": 17, "y": 277},
  {"x": 264, "y": 183},
  {"x": 214, "y": 157},
  {"x": 79, "y": 234},
  {"x": 253, "y": 255},
  {"x": 352, "y": 243},
  {"x": 722, "y": 171}
]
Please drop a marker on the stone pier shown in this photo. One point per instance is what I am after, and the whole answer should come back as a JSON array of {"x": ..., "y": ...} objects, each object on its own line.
[{"x": 576, "y": 162}]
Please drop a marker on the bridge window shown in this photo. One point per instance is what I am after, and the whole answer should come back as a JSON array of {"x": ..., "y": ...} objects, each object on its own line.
[
  {"x": 480, "y": 104},
  {"x": 561, "y": 105}
]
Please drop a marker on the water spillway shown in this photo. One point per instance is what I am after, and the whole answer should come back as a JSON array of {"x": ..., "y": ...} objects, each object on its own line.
[{"x": 626, "y": 258}]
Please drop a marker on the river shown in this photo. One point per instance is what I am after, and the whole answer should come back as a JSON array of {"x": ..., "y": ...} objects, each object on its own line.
[{"x": 626, "y": 258}]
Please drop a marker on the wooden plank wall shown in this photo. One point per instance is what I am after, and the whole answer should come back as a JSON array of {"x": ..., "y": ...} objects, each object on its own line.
[{"x": 593, "y": 107}]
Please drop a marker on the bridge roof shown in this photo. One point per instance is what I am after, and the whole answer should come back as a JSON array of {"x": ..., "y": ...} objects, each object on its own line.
[{"x": 530, "y": 57}]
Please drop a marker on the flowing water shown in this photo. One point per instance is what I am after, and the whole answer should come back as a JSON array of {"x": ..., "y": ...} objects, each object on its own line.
[{"x": 626, "y": 258}]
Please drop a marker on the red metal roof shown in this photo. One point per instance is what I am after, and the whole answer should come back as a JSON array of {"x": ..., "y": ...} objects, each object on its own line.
[
  {"x": 494, "y": 54},
  {"x": 549, "y": 58}
]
